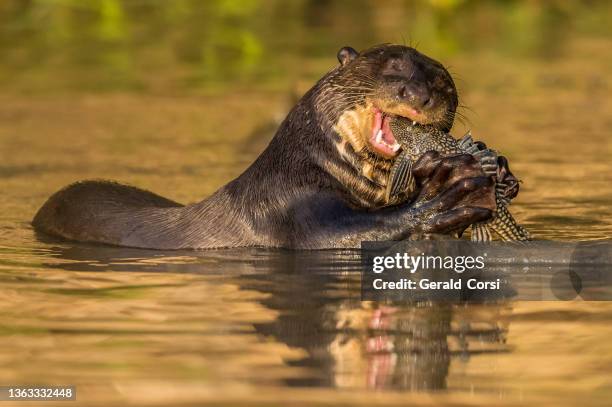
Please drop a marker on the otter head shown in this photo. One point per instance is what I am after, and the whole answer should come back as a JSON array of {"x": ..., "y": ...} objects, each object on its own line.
[
  {"x": 370, "y": 87},
  {"x": 356, "y": 101}
]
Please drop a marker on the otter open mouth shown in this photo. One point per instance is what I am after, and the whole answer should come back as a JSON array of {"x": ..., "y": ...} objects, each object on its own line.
[{"x": 382, "y": 139}]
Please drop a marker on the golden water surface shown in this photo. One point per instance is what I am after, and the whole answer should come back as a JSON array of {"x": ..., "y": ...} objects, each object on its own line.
[{"x": 179, "y": 97}]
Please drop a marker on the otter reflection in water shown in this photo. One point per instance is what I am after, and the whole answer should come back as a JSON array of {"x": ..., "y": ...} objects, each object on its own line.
[
  {"x": 313, "y": 303},
  {"x": 321, "y": 181},
  {"x": 369, "y": 345}
]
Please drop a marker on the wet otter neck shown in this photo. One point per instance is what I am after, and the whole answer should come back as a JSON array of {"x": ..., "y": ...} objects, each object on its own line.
[{"x": 307, "y": 154}]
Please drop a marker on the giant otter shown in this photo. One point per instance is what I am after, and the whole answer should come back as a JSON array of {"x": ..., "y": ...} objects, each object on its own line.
[{"x": 321, "y": 181}]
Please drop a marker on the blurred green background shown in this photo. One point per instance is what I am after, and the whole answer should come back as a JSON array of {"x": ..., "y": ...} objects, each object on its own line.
[{"x": 163, "y": 46}]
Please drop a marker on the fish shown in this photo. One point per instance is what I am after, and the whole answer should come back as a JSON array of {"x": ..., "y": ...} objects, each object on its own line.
[{"x": 416, "y": 139}]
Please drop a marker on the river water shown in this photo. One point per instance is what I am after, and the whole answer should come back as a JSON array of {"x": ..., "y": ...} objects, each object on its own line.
[{"x": 179, "y": 97}]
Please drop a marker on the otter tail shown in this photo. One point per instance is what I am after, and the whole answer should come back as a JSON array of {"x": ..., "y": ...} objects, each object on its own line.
[{"x": 98, "y": 211}]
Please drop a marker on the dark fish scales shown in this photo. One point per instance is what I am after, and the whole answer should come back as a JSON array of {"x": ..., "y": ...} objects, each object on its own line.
[{"x": 416, "y": 140}]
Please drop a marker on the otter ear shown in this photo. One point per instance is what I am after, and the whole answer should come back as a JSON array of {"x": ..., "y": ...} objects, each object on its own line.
[{"x": 346, "y": 55}]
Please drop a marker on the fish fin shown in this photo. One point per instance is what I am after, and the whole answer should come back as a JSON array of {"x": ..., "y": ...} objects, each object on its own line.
[
  {"x": 481, "y": 233},
  {"x": 488, "y": 161},
  {"x": 506, "y": 227},
  {"x": 466, "y": 143},
  {"x": 401, "y": 178},
  {"x": 500, "y": 191}
]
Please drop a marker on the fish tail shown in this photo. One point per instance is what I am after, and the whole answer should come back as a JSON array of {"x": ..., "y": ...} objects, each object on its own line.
[{"x": 506, "y": 226}]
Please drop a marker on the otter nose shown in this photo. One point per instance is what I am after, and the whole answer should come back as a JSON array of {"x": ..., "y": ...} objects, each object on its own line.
[{"x": 417, "y": 95}]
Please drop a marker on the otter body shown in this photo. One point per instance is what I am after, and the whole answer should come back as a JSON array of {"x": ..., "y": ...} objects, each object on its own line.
[{"x": 321, "y": 181}]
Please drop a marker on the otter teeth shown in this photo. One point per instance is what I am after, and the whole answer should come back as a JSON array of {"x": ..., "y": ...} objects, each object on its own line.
[
  {"x": 379, "y": 140},
  {"x": 379, "y": 137},
  {"x": 414, "y": 123}
]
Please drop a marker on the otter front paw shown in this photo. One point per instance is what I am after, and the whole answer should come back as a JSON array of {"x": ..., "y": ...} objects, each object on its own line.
[{"x": 454, "y": 194}]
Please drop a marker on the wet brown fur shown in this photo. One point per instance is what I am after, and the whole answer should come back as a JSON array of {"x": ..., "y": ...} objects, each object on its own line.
[{"x": 311, "y": 188}]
